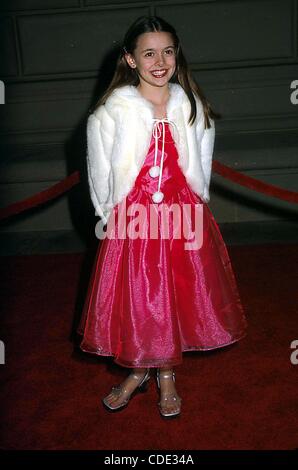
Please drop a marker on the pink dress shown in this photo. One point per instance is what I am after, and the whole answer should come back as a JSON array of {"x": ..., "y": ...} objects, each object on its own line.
[{"x": 150, "y": 299}]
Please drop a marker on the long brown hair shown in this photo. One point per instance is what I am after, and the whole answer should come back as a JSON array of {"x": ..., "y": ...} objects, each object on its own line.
[{"x": 125, "y": 75}]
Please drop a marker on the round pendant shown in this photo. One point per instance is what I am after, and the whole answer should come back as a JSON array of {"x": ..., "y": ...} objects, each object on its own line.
[
  {"x": 154, "y": 171},
  {"x": 157, "y": 196}
]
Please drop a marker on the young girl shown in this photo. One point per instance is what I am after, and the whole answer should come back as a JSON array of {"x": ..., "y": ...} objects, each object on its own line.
[{"x": 150, "y": 144}]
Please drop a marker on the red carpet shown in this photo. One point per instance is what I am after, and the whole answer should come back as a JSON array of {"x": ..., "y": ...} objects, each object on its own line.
[{"x": 240, "y": 397}]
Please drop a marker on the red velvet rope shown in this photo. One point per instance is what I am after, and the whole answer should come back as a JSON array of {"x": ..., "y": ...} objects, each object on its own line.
[
  {"x": 253, "y": 183},
  {"x": 39, "y": 198},
  {"x": 67, "y": 183}
]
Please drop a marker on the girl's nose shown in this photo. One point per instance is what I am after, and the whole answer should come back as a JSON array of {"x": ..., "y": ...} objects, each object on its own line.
[{"x": 160, "y": 59}]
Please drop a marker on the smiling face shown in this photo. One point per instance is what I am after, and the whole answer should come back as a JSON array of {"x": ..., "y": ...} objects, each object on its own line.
[{"x": 154, "y": 59}]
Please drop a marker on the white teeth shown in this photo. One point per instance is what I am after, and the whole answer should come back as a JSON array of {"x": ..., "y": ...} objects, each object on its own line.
[{"x": 159, "y": 73}]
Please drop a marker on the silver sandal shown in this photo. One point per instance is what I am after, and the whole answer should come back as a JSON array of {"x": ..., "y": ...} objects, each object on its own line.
[
  {"x": 170, "y": 396},
  {"x": 117, "y": 390}
]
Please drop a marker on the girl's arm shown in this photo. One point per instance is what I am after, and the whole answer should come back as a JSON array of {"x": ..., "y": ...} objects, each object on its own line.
[{"x": 99, "y": 144}]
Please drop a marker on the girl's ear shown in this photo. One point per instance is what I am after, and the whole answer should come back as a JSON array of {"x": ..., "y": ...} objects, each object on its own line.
[{"x": 130, "y": 60}]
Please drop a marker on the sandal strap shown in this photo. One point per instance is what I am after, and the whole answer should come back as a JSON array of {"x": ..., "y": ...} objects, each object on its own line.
[
  {"x": 119, "y": 389},
  {"x": 137, "y": 377},
  {"x": 143, "y": 378},
  {"x": 172, "y": 396},
  {"x": 164, "y": 406},
  {"x": 161, "y": 375},
  {"x": 167, "y": 376}
]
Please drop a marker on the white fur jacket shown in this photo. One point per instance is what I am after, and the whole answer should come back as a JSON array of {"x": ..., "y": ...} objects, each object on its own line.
[{"x": 118, "y": 138}]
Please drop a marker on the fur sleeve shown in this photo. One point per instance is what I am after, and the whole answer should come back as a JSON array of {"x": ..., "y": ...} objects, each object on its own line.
[
  {"x": 207, "y": 146},
  {"x": 99, "y": 145}
]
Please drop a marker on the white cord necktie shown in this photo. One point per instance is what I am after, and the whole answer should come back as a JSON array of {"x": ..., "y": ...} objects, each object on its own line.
[{"x": 157, "y": 170}]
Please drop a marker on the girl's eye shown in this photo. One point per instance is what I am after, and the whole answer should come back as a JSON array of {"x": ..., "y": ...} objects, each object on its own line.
[{"x": 167, "y": 52}]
